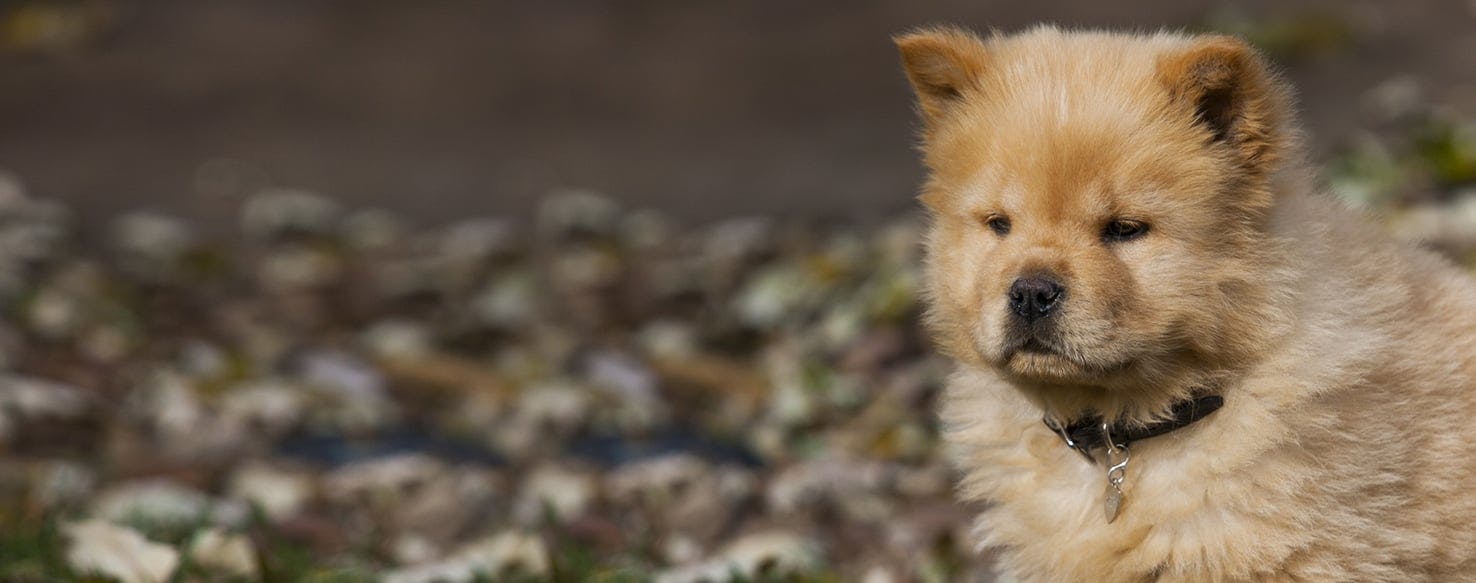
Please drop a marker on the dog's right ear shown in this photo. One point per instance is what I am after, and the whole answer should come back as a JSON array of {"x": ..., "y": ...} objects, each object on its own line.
[{"x": 943, "y": 65}]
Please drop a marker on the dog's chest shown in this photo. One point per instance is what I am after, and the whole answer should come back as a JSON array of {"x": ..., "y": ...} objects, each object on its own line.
[{"x": 1051, "y": 514}]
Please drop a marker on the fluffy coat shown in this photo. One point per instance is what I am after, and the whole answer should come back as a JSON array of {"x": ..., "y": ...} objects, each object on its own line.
[{"x": 1346, "y": 360}]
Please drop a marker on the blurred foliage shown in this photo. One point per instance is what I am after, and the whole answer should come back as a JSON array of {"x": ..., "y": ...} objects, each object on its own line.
[{"x": 1448, "y": 149}]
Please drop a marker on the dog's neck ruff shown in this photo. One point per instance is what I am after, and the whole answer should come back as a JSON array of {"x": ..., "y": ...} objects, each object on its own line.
[{"x": 1088, "y": 433}]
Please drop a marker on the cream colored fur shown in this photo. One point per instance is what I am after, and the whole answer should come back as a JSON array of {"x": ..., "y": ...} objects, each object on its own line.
[{"x": 1346, "y": 448}]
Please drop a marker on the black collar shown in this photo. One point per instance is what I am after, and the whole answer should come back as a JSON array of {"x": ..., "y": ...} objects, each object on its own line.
[{"x": 1086, "y": 434}]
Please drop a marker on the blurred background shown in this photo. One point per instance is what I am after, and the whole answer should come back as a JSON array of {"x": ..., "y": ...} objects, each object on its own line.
[
  {"x": 700, "y": 109},
  {"x": 448, "y": 290}
]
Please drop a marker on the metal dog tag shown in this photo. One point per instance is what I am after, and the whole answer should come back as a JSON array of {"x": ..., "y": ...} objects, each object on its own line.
[{"x": 1113, "y": 502}]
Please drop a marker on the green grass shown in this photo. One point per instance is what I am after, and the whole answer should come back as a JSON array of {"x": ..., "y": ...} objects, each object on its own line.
[{"x": 33, "y": 551}]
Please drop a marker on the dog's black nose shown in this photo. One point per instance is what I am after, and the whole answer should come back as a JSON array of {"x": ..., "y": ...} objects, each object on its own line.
[{"x": 1034, "y": 297}]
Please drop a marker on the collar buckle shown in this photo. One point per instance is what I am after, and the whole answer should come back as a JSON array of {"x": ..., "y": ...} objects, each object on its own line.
[{"x": 1076, "y": 446}]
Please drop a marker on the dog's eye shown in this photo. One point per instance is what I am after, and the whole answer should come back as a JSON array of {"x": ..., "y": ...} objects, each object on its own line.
[
  {"x": 1124, "y": 230},
  {"x": 998, "y": 224}
]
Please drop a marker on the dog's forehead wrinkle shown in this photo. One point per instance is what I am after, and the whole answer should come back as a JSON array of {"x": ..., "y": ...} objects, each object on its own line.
[{"x": 1095, "y": 168}]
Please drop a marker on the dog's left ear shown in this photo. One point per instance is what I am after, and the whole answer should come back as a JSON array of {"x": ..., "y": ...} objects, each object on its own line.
[
  {"x": 1232, "y": 94},
  {"x": 943, "y": 64}
]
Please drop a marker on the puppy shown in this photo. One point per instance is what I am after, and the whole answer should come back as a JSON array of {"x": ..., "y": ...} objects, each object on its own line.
[{"x": 1177, "y": 361}]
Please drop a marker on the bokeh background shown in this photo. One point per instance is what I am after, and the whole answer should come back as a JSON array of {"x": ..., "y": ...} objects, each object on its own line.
[{"x": 453, "y": 290}]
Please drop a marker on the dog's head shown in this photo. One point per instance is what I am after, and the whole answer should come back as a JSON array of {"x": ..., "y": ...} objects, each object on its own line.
[{"x": 1097, "y": 204}]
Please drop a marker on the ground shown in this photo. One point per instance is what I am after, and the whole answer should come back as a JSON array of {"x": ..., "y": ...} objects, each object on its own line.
[{"x": 294, "y": 292}]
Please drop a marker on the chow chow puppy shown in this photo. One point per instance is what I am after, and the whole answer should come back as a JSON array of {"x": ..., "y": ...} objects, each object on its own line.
[{"x": 1239, "y": 378}]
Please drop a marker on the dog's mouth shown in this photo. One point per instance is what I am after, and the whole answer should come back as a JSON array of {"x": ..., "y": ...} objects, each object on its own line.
[
  {"x": 1031, "y": 346},
  {"x": 1035, "y": 345},
  {"x": 1040, "y": 353},
  {"x": 1031, "y": 340}
]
